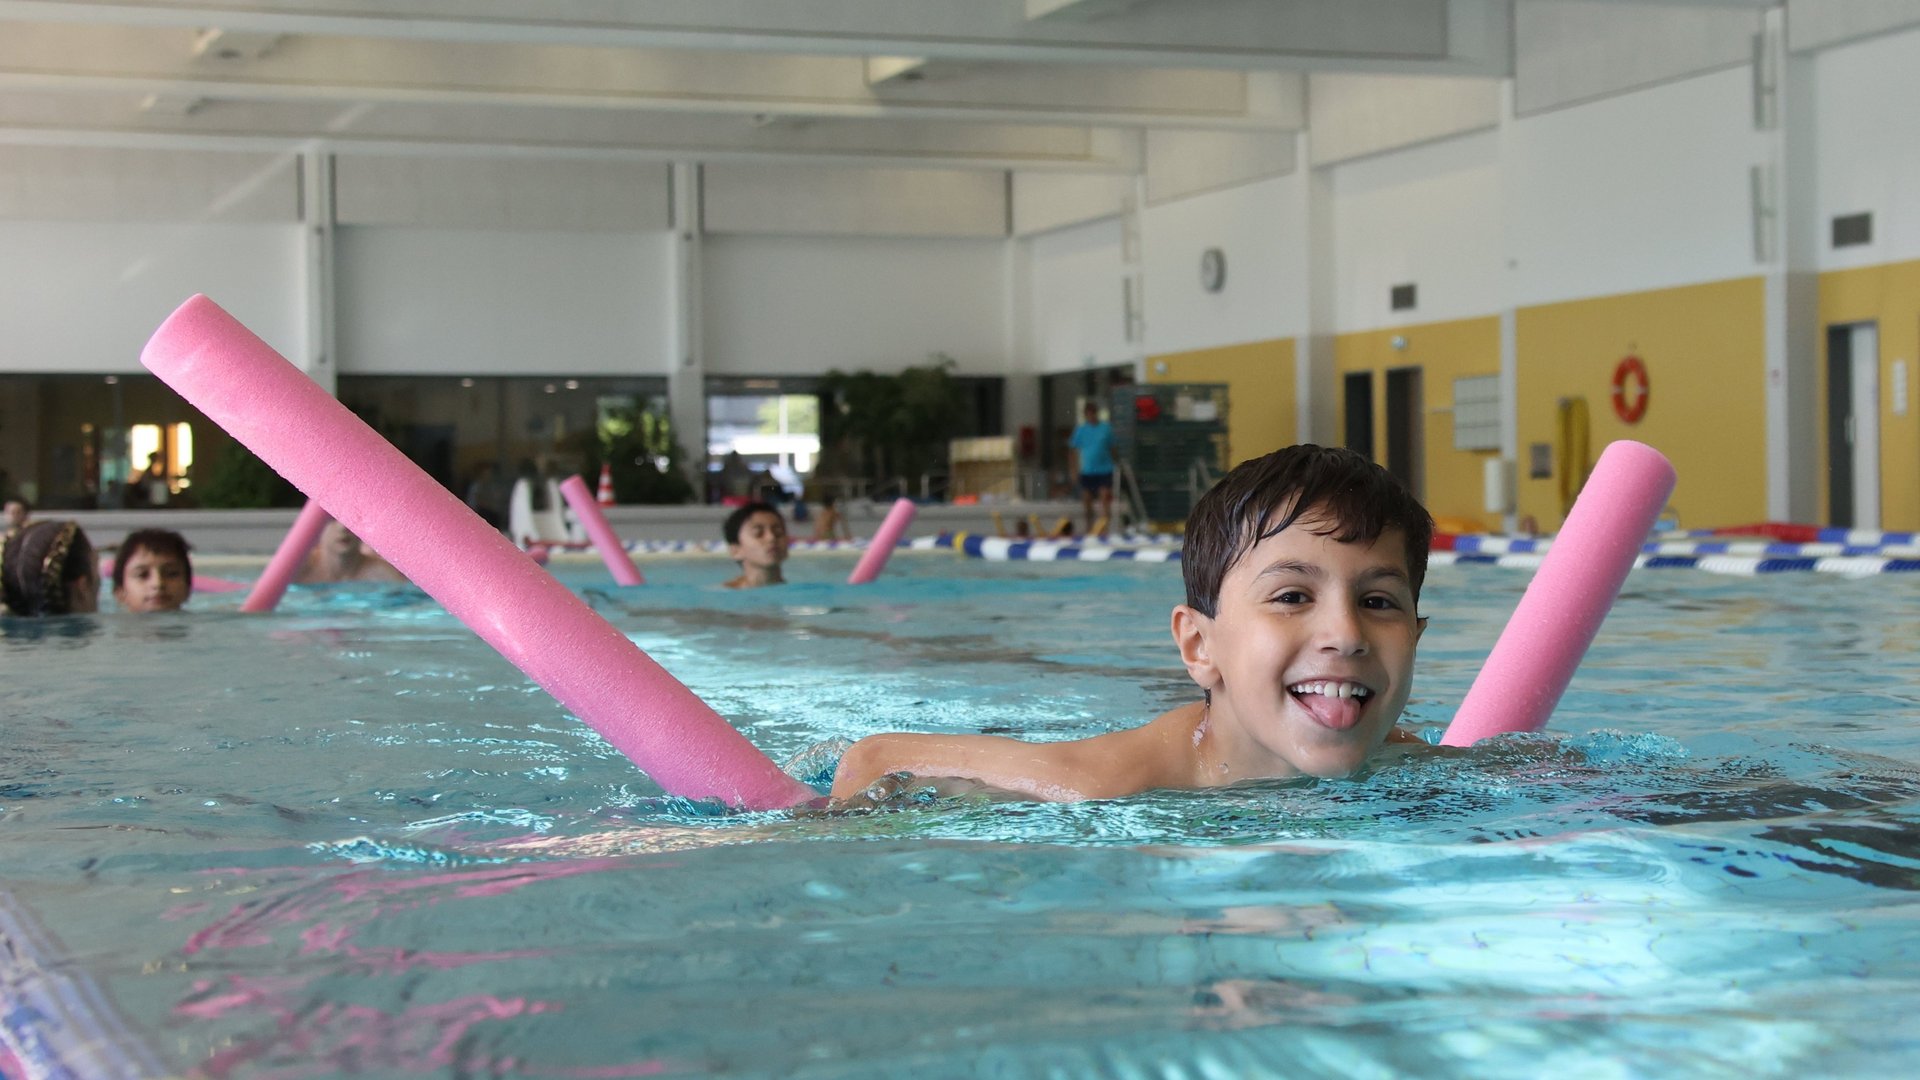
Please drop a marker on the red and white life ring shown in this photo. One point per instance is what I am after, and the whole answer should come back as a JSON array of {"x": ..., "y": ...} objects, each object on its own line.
[{"x": 1631, "y": 404}]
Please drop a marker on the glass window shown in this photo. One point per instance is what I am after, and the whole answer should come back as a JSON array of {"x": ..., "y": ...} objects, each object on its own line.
[
  {"x": 87, "y": 442},
  {"x": 477, "y": 434}
]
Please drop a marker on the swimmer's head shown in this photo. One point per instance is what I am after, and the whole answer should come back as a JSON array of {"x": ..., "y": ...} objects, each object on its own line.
[
  {"x": 1332, "y": 491},
  {"x": 338, "y": 538},
  {"x": 152, "y": 571},
  {"x": 756, "y": 535},
  {"x": 48, "y": 568}
]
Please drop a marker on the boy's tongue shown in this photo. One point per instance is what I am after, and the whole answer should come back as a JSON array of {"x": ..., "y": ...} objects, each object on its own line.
[{"x": 1338, "y": 713}]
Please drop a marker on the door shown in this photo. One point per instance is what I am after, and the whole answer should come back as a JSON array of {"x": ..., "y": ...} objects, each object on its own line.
[
  {"x": 1358, "y": 396},
  {"x": 1853, "y": 425},
  {"x": 1405, "y": 434}
]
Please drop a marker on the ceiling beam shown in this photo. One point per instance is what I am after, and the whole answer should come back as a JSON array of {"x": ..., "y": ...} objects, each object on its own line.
[
  {"x": 106, "y": 119},
  {"x": 309, "y": 67},
  {"x": 1410, "y": 36}
]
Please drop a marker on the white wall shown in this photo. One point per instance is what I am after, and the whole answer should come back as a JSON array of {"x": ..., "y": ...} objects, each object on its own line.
[
  {"x": 1043, "y": 201},
  {"x": 85, "y": 297},
  {"x": 1184, "y": 163},
  {"x": 1569, "y": 51},
  {"x": 1428, "y": 216},
  {"x": 803, "y": 305},
  {"x": 501, "y": 193},
  {"x": 1260, "y": 230},
  {"x": 1356, "y": 115},
  {"x": 98, "y": 183},
  {"x": 1812, "y": 24},
  {"x": 1867, "y": 141},
  {"x": 472, "y": 302},
  {"x": 788, "y": 199},
  {"x": 1639, "y": 191},
  {"x": 1074, "y": 313}
]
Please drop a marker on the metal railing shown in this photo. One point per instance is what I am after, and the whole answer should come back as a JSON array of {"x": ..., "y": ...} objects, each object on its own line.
[
  {"x": 1130, "y": 497},
  {"x": 1200, "y": 479}
]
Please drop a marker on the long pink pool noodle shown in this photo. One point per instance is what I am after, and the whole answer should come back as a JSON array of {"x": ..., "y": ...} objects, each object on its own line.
[
  {"x": 874, "y": 559},
  {"x": 287, "y": 558},
  {"x": 240, "y": 383},
  {"x": 1535, "y": 656},
  {"x": 619, "y": 563}
]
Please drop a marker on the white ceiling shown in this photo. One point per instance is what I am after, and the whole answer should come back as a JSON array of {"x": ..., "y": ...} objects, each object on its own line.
[{"x": 1020, "y": 84}]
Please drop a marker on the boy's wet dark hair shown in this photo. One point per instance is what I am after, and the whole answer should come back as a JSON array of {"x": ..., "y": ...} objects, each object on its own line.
[
  {"x": 730, "y": 528},
  {"x": 1260, "y": 498},
  {"x": 161, "y": 542}
]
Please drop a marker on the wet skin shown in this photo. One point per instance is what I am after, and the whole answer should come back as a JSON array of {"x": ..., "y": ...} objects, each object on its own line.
[
  {"x": 760, "y": 551},
  {"x": 153, "y": 582},
  {"x": 1304, "y": 612}
]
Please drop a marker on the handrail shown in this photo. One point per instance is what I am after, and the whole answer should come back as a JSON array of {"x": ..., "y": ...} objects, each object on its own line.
[{"x": 1136, "y": 503}]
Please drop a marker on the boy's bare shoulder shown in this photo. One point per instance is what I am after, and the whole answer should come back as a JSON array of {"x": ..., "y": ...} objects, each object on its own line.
[
  {"x": 1038, "y": 770},
  {"x": 1157, "y": 754}
]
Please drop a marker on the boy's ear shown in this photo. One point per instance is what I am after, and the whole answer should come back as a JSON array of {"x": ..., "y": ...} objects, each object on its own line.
[
  {"x": 1419, "y": 626},
  {"x": 1191, "y": 635}
]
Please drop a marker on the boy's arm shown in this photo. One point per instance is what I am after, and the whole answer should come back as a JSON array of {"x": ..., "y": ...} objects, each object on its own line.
[{"x": 1047, "y": 771}]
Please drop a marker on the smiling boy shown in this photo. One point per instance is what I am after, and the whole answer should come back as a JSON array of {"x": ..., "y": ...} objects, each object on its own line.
[{"x": 1303, "y": 571}]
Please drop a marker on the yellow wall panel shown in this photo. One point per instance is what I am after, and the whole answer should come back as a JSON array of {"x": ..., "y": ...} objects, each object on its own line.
[
  {"x": 1453, "y": 488},
  {"x": 1890, "y": 296},
  {"x": 1704, "y": 347},
  {"x": 1260, "y": 396}
]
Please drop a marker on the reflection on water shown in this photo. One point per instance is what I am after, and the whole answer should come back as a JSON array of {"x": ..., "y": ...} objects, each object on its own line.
[{"x": 348, "y": 839}]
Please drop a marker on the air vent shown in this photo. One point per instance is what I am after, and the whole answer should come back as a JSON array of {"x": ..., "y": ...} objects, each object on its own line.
[
  {"x": 233, "y": 46},
  {"x": 1401, "y": 298},
  {"x": 1852, "y": 230}
]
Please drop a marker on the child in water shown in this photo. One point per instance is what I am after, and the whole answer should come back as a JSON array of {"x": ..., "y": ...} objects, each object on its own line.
[
  {"x": 152, "y": 571},
  {"x": 756, "y": 538},
  {"x": 340, "y": 556},
  {"x": 47, "y": 568},
  {"x": 1303, "y": 571}
]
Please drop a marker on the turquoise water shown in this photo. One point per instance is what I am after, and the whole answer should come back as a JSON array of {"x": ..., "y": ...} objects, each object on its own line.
[{"x": 348, "y": 840}]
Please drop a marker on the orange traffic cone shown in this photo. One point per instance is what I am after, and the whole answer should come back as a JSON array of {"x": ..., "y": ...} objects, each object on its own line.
[{"x": 604, "y": 496}]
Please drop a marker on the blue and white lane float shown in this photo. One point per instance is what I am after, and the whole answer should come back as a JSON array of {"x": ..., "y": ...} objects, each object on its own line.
[
  {"x": 994, "y": 549},
  {"x": 1741, "y": 565},
  {"x": 55, "y": 1022},
  {"x": 1001, "y": 549},
  {"x": 1826, "y": 535},
  {"x": 1540, "y": 545}
]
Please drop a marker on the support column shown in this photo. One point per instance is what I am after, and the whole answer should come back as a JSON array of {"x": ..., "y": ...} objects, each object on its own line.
[
  {"x": 1786, "y": 244},
  {"x": 1133, "y": 270},
  {"x": 1316, "y": 390},
  {"x": 687, "y": 380},
  {"x": 1021, "y": 400},
  {"x": 317, "y": 357},
  {"x": 1509, "y": 478}
]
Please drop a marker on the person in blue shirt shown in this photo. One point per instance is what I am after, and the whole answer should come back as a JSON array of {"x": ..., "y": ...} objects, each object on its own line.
[{"x": 1092, "y": 447}]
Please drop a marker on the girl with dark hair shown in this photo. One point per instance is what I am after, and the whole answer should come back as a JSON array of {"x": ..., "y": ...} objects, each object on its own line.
[{"x": 47, "y": 568}]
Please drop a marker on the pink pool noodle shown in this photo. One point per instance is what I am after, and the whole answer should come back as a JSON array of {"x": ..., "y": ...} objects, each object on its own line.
[
  {"x": 287, "y": 558},
  {"x": 619, "y": 563},
  {"x": 874, "y": 559},
  {"x": 1535, "y": 656},
  {"x": 273, "y": 409}
]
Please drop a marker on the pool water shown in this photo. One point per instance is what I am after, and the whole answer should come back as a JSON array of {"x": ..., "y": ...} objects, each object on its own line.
[{"x": 347, "y": 839}]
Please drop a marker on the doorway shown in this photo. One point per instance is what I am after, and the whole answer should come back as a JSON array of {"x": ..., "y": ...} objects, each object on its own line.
[
  {"x": 1853, "y": 425},
  {"x": 1357, "y": 397},
  {"x": 1063, "y": 396},
  {"x": 1406, "y": 435}
]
